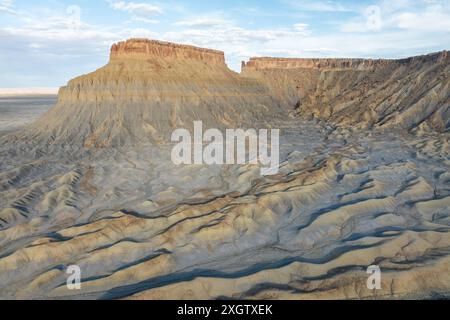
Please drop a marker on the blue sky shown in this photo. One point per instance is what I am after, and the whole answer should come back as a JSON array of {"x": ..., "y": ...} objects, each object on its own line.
[{"x": 45, "y": 43}]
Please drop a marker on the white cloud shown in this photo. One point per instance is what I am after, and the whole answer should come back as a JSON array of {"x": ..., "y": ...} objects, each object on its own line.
[
  {"x": 321, "y": 5},
  {"x": 145, "y": 20},
  {"x": 321, "y": 50},
  {"x": 301, "y": 26},
  {"x": 64, "y": 33},
  {"x": 234, "y": 35},
  {"x": 418, "y": 15},
  {"x": 6, "y": 3},
  {"x": 139, "y": 9},
  {"x": 7, "y": 6},
  {"x": 432, "y": 19},
  {"x": 203, "y": 22}
]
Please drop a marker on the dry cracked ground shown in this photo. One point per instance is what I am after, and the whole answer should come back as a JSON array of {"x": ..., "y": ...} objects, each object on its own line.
[{"x": 141, "y": 228}]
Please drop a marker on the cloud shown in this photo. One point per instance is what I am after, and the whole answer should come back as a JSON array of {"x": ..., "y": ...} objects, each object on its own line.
[
  {"x": 139, "y": 9},
  {"x": 418, "y": 15},
  {"x": 7, "y": 6},
  {"x": 234, "y": 35},
  {"x": 6, "y": 3},
  {"x": 320, "y": 5},
  {"x": 63, "y": 33},
  {"x": 434, "y": 18},
  {"x": 203, "y": 23},
  {"x": 145, "y": 20},
  {"x": 301, "y": 26}
]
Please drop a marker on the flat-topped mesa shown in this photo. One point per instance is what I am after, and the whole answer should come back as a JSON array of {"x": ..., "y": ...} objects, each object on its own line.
[
  {"x": 147, "y": 90},
  {"x": 263, "y": 63},
  {"x": 144, "y": 48}
]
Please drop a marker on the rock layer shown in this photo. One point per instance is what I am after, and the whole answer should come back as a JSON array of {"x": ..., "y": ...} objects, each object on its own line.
[
  {"x": 405, "y": 93},
  {"x": 144, "y": 49}
]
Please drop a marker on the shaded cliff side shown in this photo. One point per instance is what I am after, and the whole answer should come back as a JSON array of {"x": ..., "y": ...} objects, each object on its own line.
[{"x": 405, "y": 93}]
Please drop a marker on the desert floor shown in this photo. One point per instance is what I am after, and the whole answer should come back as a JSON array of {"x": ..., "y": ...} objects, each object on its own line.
[{"x": 140, "y": 227}]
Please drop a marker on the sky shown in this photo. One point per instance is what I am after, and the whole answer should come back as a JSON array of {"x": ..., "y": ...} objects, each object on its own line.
[{"x": 45, "y": 43}]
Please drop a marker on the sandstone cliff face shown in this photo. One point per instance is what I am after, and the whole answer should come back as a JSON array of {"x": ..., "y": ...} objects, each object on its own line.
[
  {"x": 148, "y": 89},
  {"x": 406, "y": 93}
]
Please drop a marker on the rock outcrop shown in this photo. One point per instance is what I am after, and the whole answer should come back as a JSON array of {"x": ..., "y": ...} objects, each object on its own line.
[{"x": 406, "y": 93}]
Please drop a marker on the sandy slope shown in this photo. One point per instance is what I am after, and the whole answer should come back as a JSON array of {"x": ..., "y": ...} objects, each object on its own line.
[{"x": 135, "y": 223}]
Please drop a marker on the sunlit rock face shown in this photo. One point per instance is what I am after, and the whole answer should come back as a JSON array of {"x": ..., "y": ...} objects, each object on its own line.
[
  {"x": 408, "y": 93},
  {"x": 364, "y": 180}
]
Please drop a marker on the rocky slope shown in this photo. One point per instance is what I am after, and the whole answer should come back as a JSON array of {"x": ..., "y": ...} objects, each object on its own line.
[
  {"x": 408, "y": 93},
  {"x": 140, "y": 227}
]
